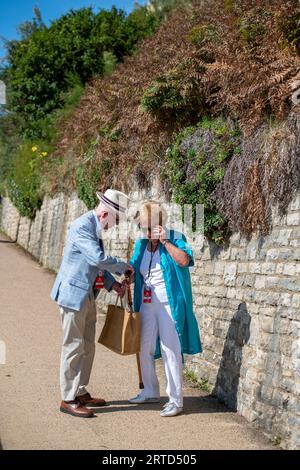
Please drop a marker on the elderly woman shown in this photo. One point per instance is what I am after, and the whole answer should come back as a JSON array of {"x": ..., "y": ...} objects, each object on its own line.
[{"x": 163, "y": 295}]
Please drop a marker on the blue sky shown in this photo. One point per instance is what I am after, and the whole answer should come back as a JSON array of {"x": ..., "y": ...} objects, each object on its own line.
[{"x": 15, "y": 12}]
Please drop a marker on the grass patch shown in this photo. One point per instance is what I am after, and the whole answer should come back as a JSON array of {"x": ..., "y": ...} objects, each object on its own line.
[
  {"x": 276, "y": 440},
  {"x": 192, "y": 380}
]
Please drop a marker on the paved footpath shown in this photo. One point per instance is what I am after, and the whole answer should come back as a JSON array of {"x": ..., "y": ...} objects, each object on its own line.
[{"x": 29, "y": 416}]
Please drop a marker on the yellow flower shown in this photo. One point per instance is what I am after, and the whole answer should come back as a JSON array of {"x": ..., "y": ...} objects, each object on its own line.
[
  {"x": 44, "y": 154},
  {"x": 34, "y": 148}
]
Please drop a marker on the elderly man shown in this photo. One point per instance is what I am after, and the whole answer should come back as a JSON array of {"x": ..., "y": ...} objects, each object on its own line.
[{"x": 73, "y": 290}]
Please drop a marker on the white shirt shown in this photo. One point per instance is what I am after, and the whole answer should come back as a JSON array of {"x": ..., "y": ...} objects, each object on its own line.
[{"x": 156, "y": 279}]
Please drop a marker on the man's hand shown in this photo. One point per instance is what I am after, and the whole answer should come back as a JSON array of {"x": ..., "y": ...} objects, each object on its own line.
[
  {"x": 120, "y": 289},
  {"x": 129, "y": 275}
]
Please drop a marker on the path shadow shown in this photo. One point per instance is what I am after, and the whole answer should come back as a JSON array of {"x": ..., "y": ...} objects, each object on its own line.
[
  {"x": 228, "y": 377},
  {"x": 192, "y": 405}
]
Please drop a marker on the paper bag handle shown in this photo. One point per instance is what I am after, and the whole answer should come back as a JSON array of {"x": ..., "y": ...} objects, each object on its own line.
[{"x": 129, "y": 296}]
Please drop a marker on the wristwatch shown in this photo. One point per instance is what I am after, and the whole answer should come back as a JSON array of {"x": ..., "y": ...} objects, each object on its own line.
[{"x": 165, "y": 241}]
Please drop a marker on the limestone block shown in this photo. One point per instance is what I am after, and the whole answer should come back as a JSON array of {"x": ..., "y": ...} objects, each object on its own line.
[
  {"x": 24, "y": 232},
  {"x": 295, "y": 204},
  {"x": 230, "y": 274},
  {"x": 293, "y": 218},
  {"x": 10, "y": 219}
]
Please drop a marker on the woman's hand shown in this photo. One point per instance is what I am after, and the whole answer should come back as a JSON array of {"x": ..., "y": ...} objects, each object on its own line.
[
  {"x": 119, "y": 288},
  {"x": 160, "y": 233},
  {"x": 178, "y": 255}
]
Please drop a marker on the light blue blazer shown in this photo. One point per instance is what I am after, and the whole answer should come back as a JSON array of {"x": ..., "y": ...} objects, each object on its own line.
[{"x": 83, "y": 258}]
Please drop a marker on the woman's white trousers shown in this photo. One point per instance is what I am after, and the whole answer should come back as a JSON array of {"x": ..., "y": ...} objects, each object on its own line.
[{"x": 156, "y": 320}]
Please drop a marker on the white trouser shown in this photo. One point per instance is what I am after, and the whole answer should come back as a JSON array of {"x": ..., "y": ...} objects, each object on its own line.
[
  {"x": 78, "y": 349},
  {"x": 156, "y": 320}
]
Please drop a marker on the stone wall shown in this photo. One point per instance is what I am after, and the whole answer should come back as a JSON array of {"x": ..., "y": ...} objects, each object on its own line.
[{"x": 246, "y": 299}]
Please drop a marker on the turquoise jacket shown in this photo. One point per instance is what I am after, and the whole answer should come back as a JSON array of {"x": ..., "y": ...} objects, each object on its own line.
[{"x": 179, "y": 291}]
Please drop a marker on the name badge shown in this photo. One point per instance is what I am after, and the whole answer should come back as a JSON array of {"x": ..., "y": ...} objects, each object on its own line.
[
  {"x": 147, "y": 295},
  {"x": 99, "y": 282}
]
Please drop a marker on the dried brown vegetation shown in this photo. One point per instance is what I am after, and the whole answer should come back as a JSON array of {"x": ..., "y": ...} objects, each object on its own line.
[
  {"x": 267, "y": 173},
  {"x": 238, "y": 59}
]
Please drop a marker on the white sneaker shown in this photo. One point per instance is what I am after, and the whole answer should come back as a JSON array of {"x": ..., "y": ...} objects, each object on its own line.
[
  {"x": 142, "y": 399},
  {"x": 171, "y": 410},
  {"x": 167, "y": 404}
]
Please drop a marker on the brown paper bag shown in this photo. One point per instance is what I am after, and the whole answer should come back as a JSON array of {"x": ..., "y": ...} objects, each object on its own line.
[{"x": 122, "y": 329}]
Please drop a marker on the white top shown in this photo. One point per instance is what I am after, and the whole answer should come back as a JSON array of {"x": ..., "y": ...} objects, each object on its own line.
[{"x": 156, "y": 279}]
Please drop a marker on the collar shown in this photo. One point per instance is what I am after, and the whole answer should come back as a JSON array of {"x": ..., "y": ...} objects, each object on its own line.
[{"x": 98, "y": 226}]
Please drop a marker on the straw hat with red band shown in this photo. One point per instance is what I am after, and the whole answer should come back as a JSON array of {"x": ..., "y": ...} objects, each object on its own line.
[{"x": 115, "y": 200}]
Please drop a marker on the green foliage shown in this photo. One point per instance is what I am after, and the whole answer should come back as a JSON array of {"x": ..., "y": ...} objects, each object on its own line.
[
  {"x": 86, "y": 185},
  {"x": 163, "y": 93},
  {"x": 202, "y": 37},
  {"x": 193, "y": 381},
  {"x": 40, "y": 65},
  {"x": 9, "y": 141},
  {"x": 80, "y": 44},
  {"x": 276, "y": 440},
  {"x": 174, "y": 93},
  {"x": 21, "y": 168},
  {"x": 109, "y": 62},
  {"x": 202, "y": 34},
  {"x": 163, "y": 7},
  {"x": 109, "y": 134},
  {"x": 290, "y": 28},
  {"x": 251, "y": 29},
  {"x": 250, "y": 33},
  {"x": 228, "y": 5},
  {"x": 87, "y": 181},
  {"x": 24, "y": 178},
  {"x": 196, "y": 165},
  {"x": 88, "y": 175},
  {"x": 45, "y": 76},
  {"x": 139, "y": 24}
]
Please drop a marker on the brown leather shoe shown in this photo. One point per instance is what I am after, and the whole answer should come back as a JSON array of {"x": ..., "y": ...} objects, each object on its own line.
[
  {"x": 87, "y": 400},
  {"x": 75, "y": 408}
]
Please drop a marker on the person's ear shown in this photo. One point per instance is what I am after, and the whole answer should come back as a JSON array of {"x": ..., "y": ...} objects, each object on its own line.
[{"x": 103, "y": 216}]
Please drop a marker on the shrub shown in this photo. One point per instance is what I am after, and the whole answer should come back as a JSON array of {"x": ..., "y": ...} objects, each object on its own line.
[
  {"x": 45, "y": 73},
  {"x": 175, "y": 93},
  {"x": 23, "y": 183},
  {"x": 250, "y": 32},
  {"x": 88, "y": 175},
  {"x": 196, "y": 165},
  {"x": 80, "y": 43},
  {"x": 86, "y": 185}
]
